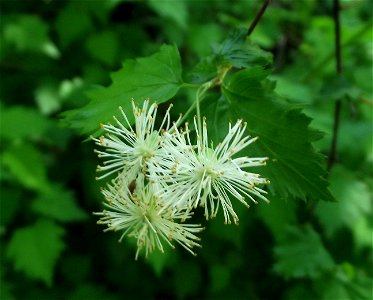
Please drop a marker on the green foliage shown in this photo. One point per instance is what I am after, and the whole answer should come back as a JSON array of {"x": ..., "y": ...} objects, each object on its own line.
[
  {"x": 354, "y": 201},
  {"x": 55, "y": 61},
  {"x": 21, "y": 122},
  {"x": 59, "y": 204},
  {"x": 294, "y": 168},
  {"x": 173, "y": 10},
  {"x": 26, "y": 164},
  {"x": 44, "y": 244},
  {"x": 301, "y": 254},
  {"x": 157, "y": 77},
  {"x": 29, "y": 33}
]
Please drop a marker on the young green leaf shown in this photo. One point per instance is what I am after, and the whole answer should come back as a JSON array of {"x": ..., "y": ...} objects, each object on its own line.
[
  {"x": 36, "y": 248},
  {"x": 157, "y": 77},
  {"x": 294, "y": 167},
  {"x": 234, "y": 51}
]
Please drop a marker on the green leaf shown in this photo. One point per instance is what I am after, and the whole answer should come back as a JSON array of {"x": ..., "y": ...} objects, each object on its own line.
[
  {"x": 354, "y": 201},
  {"x": 294, "y": 168},
  {"x": 346, "y": 282},
  {"x": 175, "y": 10},
  {"x": 103, "y": 46},
  {"x": 157, "y": 77},
  {"x": 216, "y": 111},
  {"x": 301, "y": 254},
  {"x": 362, "y": 231},
  {"x": 36, "y": 248},
  {"x": 26, "y": 163},
  {"x": 30, "y": 33},
  {"x": 293, "y": 89},
  {"x": 21, "y": 122},
  {"x": 235, "y": 51},
  {"x": 59, "y": 204}
]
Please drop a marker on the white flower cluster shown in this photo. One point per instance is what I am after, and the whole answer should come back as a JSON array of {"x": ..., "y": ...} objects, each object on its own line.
[{"x": 162, "y": 176}]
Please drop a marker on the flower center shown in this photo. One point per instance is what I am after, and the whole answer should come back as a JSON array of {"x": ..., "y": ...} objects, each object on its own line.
[
  {"x": 146, "y": 148},
  {"x": 209, "y": 163}
]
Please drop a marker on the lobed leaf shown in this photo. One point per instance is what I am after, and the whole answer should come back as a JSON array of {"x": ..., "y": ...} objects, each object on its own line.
[
  {"x": 157, "y": 77},
  {"x": 294, "y": 168}
]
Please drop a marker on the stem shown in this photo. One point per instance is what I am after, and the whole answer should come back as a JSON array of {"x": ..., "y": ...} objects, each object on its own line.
[
  {"x": 200, "y": 94},
  {"x": 196, "y": 104},
  {"x": 338, "y": 67},
  {"x": 199, "y": 122},
  {"x": 185, "y": 116},
  {"x": 258, "y": 16}
]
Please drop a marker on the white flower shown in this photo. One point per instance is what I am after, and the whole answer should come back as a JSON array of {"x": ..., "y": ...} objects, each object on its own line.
[
  {"x": 202, "y": 175},
  {"x": 127, "y": 149},
  {"x": 141, "y": 215}
]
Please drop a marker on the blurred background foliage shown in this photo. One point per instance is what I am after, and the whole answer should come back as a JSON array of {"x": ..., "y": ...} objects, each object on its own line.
[{"x": 52, "y": 52}]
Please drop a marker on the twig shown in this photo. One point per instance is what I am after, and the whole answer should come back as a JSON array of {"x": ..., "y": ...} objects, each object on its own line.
[
  {"x": 258, "y": 17},
  {"x": 337, "y": 27},
  {"x": 318, "y": 68},
  {"x": 338, "y": 104}
]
